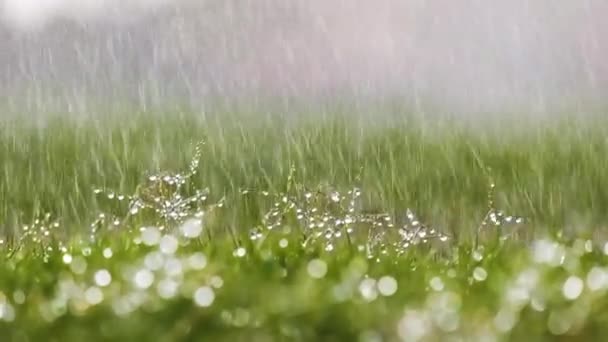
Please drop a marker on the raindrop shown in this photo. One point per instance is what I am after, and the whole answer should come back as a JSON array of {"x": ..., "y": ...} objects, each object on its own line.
[
  {"x": 368, "y": 290},
  {"x": 67, "y": 259},
  {"x": 103, "y": 278},
  {"x": 192, "y": 228},
  {"x": 597, "y": 279},
  {"x": 197, "y": 261},
  {"x": 216, "y": 282},
  {"x": 317, "y": 268},
  {"x": 436, "y": 284},
  {"x": 480, "y": 274},
  {"x": 240, "y": 252},
  {"x": 78, "y": 265},
  {"x": 107, "y": 253},
  {"x": 167, "y": 288},
  {"x": 143, "y": 278},
  {"x": 204, "y": 296},
  {"x": 150, "y": 236},
  {"x": 93, "y": 295},
  {"x": 168, "y": 244},
  {"x": 573, "y": 287},
  {"x": 19, "y": 297},
  {"x": 387, "y": 286},
  {"x": 7, "y": 312}
]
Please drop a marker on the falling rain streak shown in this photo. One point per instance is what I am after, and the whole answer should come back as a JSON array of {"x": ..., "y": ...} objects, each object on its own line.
[{"x": 465, "y": 56}]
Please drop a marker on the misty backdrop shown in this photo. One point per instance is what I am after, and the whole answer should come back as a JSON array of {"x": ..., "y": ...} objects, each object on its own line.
[{"x": 467, "y": 55}]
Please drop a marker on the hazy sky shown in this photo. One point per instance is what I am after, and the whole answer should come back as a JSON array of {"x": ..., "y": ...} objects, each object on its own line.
[{"x": 468, "y": 54}]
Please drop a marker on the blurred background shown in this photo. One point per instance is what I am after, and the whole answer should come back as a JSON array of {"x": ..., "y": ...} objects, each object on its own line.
[{"x": 466, "y": 56}]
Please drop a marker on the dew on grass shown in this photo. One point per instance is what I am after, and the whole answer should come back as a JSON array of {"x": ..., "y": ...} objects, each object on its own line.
[
  {"x": 19, "y": 297},
  {"x": 548, "y": 252},
  {"x": 240, "y": 252},
  {"x": 192, "y": 228},
  {"x": 168, "y": 244},
  {"x": 436, "y": 284},
  {"x": 216, "y": 282},
  {"x": 505, "y": 320},
  {"x": 103, "y": 278},
  {"x": 414, "y": 326},
  {"x": 387, "y": 286},
  {"x": 477, "y": 255},
  {"x": 93, "y": 295},
  {"x": 107, "y": 253},
  {"x": 150, "y": 236},
  {"x": 167, "y": 288},
  {"x": 197, "y": 261},
  {"x": 283, "y": 243},
  {"x": 78, "y": 265},
  {"x": 255, "y": 234},
  {"x": 7, "y": 312},
  {"x": 67, "y": 258},
  {"x": 317, "y": 268},
  {"x": 154, "y": 260},
  {"x": 143, "y": 279},
  {"x": 597, "y": 279},
  {"x": 368, "y": 289},
  {"x": 538, "y": 304},
  {"x": 572, "y": 288},
  {"x": 204, "y": 296},
  {"x": 480, "y": 274},
  {"x": 173, "y": 267}
]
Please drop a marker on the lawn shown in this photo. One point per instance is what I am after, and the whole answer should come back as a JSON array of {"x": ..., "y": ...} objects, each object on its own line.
[{"x": 326, "y": 226}]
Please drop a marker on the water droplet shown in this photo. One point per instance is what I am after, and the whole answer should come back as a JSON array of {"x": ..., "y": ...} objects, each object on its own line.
[
  {"x": 103, "y": 278},
  {"x": 78, "y": 265},
  {"x": 204, "y": 296},
  {"x": 107, "y": 253},
  {"x": 150, "y": 236},
  {"x": 67, "y": 259},
  {"x": 93, "y": 295},
  {"x": 368, "y": 290},
  {"x": 477, "y": 256},
  {"x": 480, "y": 274},
  {"x": 436, "y": 284},
  {"x": 19, "y": 297},
  {"x": 572, "y": 288},
  {"x": 317, "y": 268},
  {"x": 167, "y": 288},
  {"x": 597, "y": 279},
  {"x": 216, "y": 282},
  {"x": 143, "y": 278},
  {"x": 7, "y": 312},
  {"x": 168, "y": 244},
  {"x": 192, "y": 228},
  {"x": 387, "y": 286},
  {"x": 197, "y": 261},
  {"x": 240, "y": 252}
]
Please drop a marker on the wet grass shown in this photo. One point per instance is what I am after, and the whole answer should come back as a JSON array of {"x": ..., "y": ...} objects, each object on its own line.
[{"x": 299, "y": 229}]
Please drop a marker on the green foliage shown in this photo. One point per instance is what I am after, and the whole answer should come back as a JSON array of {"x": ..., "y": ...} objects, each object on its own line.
[{"x": 300, "y": 229}]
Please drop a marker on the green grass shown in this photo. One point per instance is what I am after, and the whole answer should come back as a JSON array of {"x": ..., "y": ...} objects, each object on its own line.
[{"x": 503, "y": 282}]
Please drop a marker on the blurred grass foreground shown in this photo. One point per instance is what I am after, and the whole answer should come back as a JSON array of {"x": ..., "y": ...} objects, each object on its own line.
[{"x": 320, "y": 227}]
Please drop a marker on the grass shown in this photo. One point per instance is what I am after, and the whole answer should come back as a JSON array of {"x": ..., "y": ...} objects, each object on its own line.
[{"x": 315, "y": 227}]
